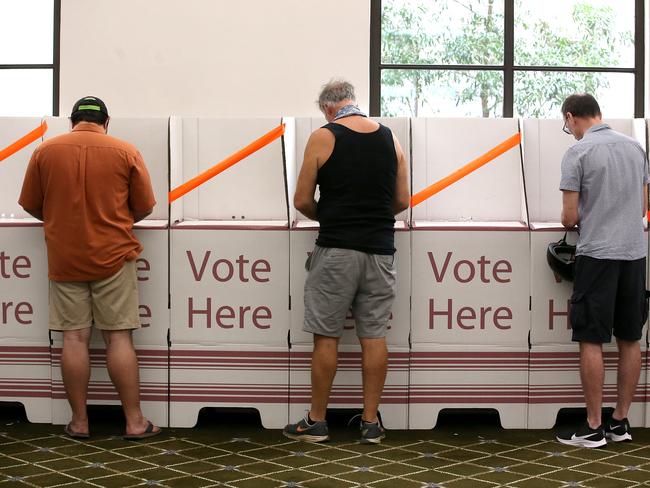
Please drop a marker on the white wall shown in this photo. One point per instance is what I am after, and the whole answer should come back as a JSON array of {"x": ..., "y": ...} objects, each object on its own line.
[{"x": 212, "y": 57}]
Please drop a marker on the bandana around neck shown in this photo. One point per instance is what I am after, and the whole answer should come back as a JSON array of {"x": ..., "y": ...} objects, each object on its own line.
[{"x": 348, "y": 111}]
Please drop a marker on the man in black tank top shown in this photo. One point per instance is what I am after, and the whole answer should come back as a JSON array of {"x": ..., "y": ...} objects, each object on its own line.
[{"x": 361, "y": 173}]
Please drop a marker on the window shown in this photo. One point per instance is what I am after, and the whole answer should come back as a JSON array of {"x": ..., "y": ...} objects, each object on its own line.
[
  {"x": 492, "y": 58},
  {"x": 29, "y": 57}
]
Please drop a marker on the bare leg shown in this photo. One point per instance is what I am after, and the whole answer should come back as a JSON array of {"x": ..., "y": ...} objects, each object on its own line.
[
  {"x": 629, "y": 369},
  {"x": 375, "y": 366},
  {"x": 75, "y": 369},
  {"x": 124, "y": 372},
  {"x": 323, "y": 369},
  {"x": 592, "y": 375}
]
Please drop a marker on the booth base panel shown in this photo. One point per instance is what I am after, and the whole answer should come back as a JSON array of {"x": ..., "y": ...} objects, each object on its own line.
[
  {"x": 25, "y": 378},
  {"x": 229, "y": 377},
  {"x": 555, "y": 384},
  {"x": 347, "y": 390},
  {"x": 154, "y": 396},
  {"x": 468, "y": 377}
]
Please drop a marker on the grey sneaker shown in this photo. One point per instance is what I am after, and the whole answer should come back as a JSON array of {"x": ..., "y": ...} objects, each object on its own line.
[
  {"x": 372, "y": 432},
  {"x": 618, "y": 430},
  {"x": 304, "y": 431}
]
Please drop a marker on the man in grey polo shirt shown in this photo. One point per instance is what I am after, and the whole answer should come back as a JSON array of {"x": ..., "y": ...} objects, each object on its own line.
[{"x": 604, "y": 185}]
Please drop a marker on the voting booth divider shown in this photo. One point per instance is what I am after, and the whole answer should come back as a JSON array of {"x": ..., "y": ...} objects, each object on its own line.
[
  {"x": 554, "y": 376},
  {"x": 230, "y": 272},
  {"x": 24, "y": 341},
  {"x": 479, "y": 320},
  {"x": 470, "y": 275}
]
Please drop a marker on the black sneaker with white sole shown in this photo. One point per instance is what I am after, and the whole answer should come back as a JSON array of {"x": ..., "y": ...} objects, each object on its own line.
[
  {"x": 584, "y": 436},
  {"x": 618, "y": 430}
]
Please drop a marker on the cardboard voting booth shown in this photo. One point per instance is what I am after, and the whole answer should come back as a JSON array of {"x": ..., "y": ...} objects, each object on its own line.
[
  {"x": 150, "y": 136},
  {"x": 229, "y": 272},
  {"x": 346, "y": 390},
  {"x": 554, "y": 358},
  {"x": 470, "y": 275},
  {"x": 24, "y": 340}
]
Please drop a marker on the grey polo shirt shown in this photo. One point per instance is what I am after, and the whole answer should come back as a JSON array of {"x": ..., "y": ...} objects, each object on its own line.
[{"x": 609, "y": 170}]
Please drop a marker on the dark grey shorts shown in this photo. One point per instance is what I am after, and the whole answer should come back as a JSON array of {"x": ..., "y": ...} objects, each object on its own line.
[{"x": 342, "y": 279}]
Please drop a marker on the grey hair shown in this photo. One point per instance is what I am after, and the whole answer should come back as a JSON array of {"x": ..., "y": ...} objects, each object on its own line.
[{"x": 335, "y": 91}]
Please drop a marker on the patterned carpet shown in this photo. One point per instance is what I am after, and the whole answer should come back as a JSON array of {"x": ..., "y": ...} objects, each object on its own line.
[{"x": 232, "y": 450}]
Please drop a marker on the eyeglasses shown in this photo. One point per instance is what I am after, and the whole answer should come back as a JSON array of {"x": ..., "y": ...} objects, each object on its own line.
[{"x": 566, "y": 130}]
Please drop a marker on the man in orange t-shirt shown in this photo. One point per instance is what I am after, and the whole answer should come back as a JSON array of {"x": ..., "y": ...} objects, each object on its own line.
[{"x": 89, "y": 188}]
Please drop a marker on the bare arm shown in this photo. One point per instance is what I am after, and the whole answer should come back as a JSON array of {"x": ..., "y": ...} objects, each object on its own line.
[
  {"x": 402, "y": 198},
  {"x": 318, "y": 149},
  {"x": 570, "y": 217}
]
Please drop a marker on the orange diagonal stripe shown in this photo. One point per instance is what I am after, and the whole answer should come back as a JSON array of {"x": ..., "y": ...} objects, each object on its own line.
[
  {"x": 465, "y": 170},
  {"x": 231, "y": 160},
  {"x": 24, "y": 141}
]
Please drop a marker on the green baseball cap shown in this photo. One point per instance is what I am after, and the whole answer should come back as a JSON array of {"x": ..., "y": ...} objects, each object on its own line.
[{"x": 89, "y": 104}]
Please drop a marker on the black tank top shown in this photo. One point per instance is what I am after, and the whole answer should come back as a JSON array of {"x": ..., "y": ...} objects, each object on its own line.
[{"x": 357, "y": 186}]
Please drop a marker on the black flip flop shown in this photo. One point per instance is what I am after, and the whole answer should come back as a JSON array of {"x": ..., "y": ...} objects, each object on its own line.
[
  {"x": 75, "y": 435},
  {"x": 148, "y": 432}
]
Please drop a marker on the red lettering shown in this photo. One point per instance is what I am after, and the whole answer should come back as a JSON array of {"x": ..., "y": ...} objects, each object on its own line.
[
  {"x": 192, "y": 312},
  {"x": 552, "y": 314},
  {"x": 145, "y": 313},
  {"x": 482, "y": 262},
  {"x": 19, "y": 263},
  {"x": 260, "y": 266},
  {"x": 502, "y": 313},
  {"x": 470, "y": 275},
  {"x": 225, "y": 312},
  {"x": 229, "y": 267},
  {"x": 19, "y": 310},
  {"x": 262, "y": 313},
  {"x": 496, "y": 270},
  {"x": 142, "y": 266},
  {"x": 198, "y": 275},
  {"x": 439, "y": 275},
  {"x": 461, "y": 317}
]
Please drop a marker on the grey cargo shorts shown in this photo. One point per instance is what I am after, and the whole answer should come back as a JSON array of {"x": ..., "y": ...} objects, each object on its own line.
[{"x": 342, "y": 279}]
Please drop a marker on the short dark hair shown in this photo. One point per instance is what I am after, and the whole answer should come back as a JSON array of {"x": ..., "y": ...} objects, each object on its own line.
[
  {"x": 581, "y": 105},
  {"x": 88, "y": 116}
]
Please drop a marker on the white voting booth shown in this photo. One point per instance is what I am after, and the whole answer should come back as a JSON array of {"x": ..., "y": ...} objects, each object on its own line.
[
  {"x": 229, "y": 272},
  {"x": 150, "y": 136},
  {"x": 554, "y": 358},
  {"x": 347, "y": 388},
  {"x": 24, "y": 340},
  {"x": 470, "y": 275}
]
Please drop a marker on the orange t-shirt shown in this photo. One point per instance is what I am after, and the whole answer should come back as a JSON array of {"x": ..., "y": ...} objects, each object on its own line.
[{"x": 87, "y": 185}]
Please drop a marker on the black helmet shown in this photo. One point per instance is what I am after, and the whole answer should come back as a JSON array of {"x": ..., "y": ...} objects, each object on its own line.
[{"x": 561, "y": 258}]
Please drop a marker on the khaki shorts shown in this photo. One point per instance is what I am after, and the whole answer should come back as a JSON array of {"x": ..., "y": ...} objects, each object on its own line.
[{"x": 109, "y": 304}]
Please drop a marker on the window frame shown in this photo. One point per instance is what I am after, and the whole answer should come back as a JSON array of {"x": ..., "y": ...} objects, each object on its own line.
[
  {"x": 508, "y": 68},
  {"x": 55, "y": 66}
]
